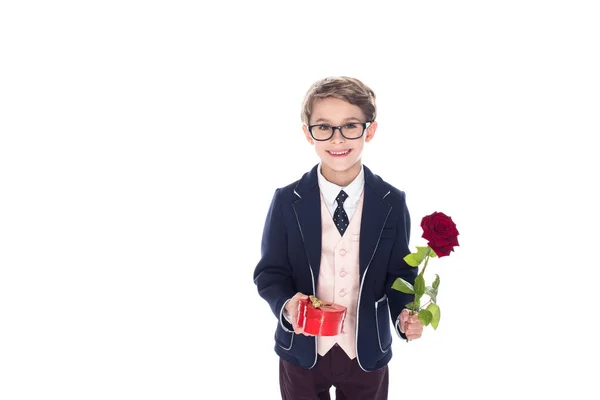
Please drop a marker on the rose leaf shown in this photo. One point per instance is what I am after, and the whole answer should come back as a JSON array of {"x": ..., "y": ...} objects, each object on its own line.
[
  {"x": 403, "y": 286},
  {"x": 415, "y": 259},
  {"x": 425, "y": 316},
  {"x": 419, "y": 286},
  {"x": 413, "y": 305},
  {"x": 436, "y": 282},
  {"x": 434, "y": 309},
  {"x": 432, "y": 293}
]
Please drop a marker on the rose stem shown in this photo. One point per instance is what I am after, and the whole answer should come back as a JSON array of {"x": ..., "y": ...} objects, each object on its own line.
[{"x": 412, "y": 311}]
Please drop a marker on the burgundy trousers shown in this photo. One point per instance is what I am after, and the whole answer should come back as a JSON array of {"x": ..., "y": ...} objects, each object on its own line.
[{"x": 333, "y": 369}]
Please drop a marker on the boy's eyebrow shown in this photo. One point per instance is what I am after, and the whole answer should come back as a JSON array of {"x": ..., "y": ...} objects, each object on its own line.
[{"x": 344, "y": 120}]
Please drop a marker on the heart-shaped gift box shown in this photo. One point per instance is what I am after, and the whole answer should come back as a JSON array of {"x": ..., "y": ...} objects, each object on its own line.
[{"x": 319, "y": 318}]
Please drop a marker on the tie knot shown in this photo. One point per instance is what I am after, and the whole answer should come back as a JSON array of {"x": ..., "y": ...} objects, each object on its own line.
[{"x": 341, "y": 197}]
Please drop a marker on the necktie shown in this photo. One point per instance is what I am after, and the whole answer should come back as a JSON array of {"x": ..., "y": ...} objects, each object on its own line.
[{"x": 340, "y": 218}]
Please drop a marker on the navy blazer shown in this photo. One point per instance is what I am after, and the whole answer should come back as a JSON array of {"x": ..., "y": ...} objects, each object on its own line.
[{"x": 291, "y": 256}]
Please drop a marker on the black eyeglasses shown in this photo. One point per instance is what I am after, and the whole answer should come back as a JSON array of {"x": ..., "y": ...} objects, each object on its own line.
[{"x": 351, "y": 130}]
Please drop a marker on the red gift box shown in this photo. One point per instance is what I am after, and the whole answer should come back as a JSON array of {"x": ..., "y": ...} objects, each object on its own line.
[{"x": 319, "y": 318}]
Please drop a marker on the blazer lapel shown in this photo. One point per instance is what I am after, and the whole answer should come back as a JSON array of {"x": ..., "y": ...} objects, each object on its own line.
[
  {"x": 307, "y": 208},
  {"x": 375, "y": 214}
]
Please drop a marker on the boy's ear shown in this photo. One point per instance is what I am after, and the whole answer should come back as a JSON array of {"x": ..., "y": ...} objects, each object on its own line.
[
  {"x": 307, "y": 134},
  {"x": 371, "y": 131}
]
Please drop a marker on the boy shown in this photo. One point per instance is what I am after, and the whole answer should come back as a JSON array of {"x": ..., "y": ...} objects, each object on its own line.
[{"x": 339, "y": 233}]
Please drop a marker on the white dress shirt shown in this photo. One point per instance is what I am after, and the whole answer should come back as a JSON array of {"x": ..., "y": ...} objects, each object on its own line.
[{"x": 330, "y": 191}]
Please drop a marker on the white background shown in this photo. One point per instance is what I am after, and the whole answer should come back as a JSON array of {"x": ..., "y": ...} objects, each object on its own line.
[{"x": 141, "y": 143}]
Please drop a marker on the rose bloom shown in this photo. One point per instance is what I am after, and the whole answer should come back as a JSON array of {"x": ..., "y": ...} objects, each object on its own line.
[{"x": 440, "y": 232}]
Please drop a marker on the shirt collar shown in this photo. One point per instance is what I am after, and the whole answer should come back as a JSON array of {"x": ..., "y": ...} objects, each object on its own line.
[{"x": 331, "y": 190}]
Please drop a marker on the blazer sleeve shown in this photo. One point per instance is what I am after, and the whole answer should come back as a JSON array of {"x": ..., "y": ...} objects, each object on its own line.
[
  {"x": 273, "y": 273},
  {"x": 397, "y": 267}
]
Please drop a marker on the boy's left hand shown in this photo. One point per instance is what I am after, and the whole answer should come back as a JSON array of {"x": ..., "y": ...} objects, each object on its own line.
[{"x": 410, "y": 325}]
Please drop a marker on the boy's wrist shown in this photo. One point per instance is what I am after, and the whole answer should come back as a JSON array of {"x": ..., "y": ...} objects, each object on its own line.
[
  {"x": 286, "y": 315},
  {"x": 399, "y": 325},
  {"x": 284, "y": 318}
]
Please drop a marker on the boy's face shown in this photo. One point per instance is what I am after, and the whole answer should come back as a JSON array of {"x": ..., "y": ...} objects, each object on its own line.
[{"x": 340, "y": 157}]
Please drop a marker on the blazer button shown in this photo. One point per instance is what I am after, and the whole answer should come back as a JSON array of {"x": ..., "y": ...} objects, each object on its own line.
[
  {"x": 342, "y": 292},
  {"x": 343, "y": 273},
  {"x": 342, "y": 252}
]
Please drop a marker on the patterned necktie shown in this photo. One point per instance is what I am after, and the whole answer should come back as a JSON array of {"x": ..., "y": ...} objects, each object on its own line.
[{"x": 340, "y": 218}]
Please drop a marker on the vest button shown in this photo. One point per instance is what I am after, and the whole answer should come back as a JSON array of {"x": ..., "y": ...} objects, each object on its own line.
[
  {"x": 342, "y": 293},
  {"x": 342, "y": 252},
  {"x": 343, "y": 273}
]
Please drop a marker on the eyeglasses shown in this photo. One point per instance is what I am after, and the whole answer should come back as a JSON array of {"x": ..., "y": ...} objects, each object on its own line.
[{"x": 351, "y": 130}]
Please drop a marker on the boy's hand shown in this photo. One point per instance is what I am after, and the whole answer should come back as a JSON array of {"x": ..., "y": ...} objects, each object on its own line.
[
  {"x": 410, "y": 325},
  {"x": 292, "y": 309}
]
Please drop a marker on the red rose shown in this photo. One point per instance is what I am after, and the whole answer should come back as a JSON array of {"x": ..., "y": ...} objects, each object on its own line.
[{"x": 441, "y": 233}]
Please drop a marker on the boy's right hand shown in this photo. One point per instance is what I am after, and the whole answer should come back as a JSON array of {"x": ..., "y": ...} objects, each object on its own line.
[{"x": 292, "y": 309}]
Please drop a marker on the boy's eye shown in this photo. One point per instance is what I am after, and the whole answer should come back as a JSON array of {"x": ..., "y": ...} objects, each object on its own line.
[
  {"x": 324, "y": 127},
  {"x": 350, "y": 126}
]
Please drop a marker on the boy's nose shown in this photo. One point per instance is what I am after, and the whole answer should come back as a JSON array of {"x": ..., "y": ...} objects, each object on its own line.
[{"x": 337, "y": 137}]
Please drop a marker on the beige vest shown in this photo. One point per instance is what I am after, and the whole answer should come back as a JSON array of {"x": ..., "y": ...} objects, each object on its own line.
[{"x": 339, "y": 276}]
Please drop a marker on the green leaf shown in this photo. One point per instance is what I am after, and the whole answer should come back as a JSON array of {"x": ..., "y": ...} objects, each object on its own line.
[
  {"x": 436, "y": 282},
  {"x": 419, "y": 286},
  {"x": 425, "y": 316},
  {"x": 403, "y": 286},
  {"x": 416, "y": 304},
  {"x": 432, "y": 254},
  {"x": 432, "y": 293},
  {"x": 415, "y": 259},
  {"x": 434, "y": 309},
  {"x": 412, "y": 260}
]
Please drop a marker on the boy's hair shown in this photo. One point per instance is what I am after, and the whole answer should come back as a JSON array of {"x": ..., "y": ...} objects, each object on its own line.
[{"x": 344, "y": 88}]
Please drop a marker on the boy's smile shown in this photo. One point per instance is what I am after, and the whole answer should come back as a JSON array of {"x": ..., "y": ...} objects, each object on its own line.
[
  {"x": 339, "y": 153},
  {"x": 340, "y": 157}
]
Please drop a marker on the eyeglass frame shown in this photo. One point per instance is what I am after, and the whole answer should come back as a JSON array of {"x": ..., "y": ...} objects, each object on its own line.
[{"x": 339, "y": 128}]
